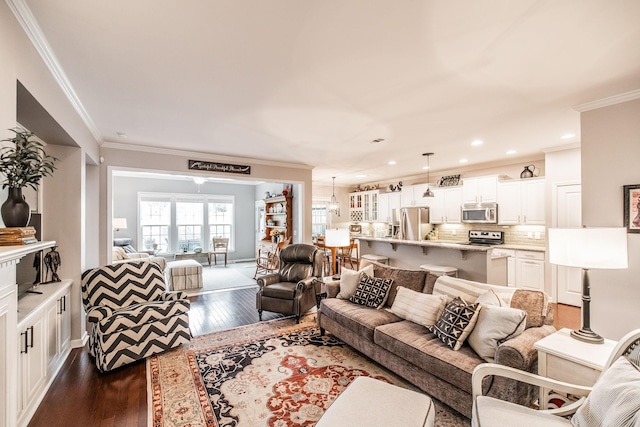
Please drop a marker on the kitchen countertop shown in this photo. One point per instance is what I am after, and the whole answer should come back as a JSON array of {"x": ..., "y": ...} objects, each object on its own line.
[
  {"x": 429, "y": 243},
  {"x": 449, "y": 244}
]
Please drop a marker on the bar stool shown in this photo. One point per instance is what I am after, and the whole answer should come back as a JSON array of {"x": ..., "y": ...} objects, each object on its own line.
[
  {"x": 377, "y": 258},
  {"x": 440, "y": 270}
]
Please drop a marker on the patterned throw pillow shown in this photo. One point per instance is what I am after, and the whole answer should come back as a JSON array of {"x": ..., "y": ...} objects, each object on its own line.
[
  {"x": 456, "y": 323},
  {"x": 371, "y": 291}
]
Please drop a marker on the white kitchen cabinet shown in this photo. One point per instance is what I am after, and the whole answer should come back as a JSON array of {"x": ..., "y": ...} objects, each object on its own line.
[
  {"x": 444, "y": 207},
  {"x": 44, "y": 342},
  {"x": 370, "y": 205},
  {"x": 411, "y": 195},
  {"x": 363, "y": 206},
  {"x": 511, "y": 263},
  {"x": 483, "y": 189},
  {"x": 530, "y": 270},
  {"x": 521, "y": 202},
  {"x": 387, "y": 202}
]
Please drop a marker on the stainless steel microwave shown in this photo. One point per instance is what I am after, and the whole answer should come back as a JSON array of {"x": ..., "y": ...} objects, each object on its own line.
[{"x": 480, "y": 213}]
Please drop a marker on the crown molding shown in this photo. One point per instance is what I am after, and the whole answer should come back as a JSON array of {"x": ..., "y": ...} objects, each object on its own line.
[
  {"x": 606, "y": 102},
  {"x": 31, "y": 28},
  {"x": 200, "y": 155}
]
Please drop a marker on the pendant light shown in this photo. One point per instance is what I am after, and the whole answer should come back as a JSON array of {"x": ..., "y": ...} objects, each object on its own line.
[
  {"x": 428, "y": 193},
  {"x": 334, "y": 206}
]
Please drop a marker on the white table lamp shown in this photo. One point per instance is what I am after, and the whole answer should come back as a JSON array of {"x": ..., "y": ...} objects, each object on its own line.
[
  {"x": 119, "y": 224},
  {"x": 336, "y": 238},
  {"x": 588, "y": 248}
]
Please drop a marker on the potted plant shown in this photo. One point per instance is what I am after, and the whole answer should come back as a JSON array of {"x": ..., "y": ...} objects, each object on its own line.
[{"x": 23, "y": 163}]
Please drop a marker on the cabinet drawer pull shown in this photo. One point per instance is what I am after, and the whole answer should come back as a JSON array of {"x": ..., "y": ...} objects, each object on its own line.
[
  {"x": 30, "y": 329},
  {"x": 64, "y": 303},
  {"x": 26, "y": 343},
  {"x": 60, "y": 306}
]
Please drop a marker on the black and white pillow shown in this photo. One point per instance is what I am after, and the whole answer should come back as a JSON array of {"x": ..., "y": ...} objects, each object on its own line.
[
  {"x": 371, "y": 291},
  {"x": 456, "y": 323}
]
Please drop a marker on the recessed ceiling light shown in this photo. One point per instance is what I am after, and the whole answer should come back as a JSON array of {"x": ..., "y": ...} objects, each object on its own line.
[
  {"x": 511, "y": 152},
  {"x": 568, "y": 136},
  {"x": 464, "y": 160},
  {"x": 377, "y": 141},
  {"x": 425, "y": 167},
  {"x": 477, "y": 142},
  {"x": 392, "y": 162},
  {"x": 361, "y": 175},
  {"x": 121, "y": 135}
]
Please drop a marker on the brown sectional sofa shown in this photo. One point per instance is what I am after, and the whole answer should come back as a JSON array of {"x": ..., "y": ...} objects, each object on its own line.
[{"x": 414, "y": 353}]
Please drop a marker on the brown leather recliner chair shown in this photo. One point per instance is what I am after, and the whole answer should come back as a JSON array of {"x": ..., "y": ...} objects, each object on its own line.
[{"x": 293, "y": 289}]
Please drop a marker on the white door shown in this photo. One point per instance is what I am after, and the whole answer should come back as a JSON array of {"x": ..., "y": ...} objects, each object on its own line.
[
  {"x": 261, "y": 223},
  {"x": 569, "y": 214}
]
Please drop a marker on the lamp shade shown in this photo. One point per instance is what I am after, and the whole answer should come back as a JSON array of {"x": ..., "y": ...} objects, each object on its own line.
[
  {"x": 588, "y": 248},
  {"x": 337, "y": 237},
  {"x": 120, "y": 223}
]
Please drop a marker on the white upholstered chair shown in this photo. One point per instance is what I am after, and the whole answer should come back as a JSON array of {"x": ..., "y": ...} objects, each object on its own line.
[{"x": 615, "y": 396}]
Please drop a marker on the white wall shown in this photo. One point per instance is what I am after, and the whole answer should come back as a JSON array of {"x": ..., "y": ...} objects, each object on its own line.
[{"x": 610, "y": 154}]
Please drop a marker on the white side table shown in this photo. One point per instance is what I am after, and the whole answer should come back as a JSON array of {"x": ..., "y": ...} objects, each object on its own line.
[{"x": 567, "y": 359}]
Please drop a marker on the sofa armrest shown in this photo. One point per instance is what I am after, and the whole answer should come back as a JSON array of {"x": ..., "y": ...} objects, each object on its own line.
[
  {"x": 519, "y": 352},
  {"x": 136, "y": 255},
  {"x": 332, "y": 288}
]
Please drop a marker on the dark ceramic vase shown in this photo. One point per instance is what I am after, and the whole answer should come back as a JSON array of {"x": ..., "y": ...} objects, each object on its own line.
[{"x": 15, "y": 210}]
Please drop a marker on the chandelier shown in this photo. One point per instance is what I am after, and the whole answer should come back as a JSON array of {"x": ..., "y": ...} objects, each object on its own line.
[{"x": 334, "y": 206}]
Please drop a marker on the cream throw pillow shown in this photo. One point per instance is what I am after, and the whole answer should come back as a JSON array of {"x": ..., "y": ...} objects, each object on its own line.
[
  {"x": 423, "y": 309},
  {"x": 349, "y": 280},
  {"x": 494, "y": 326}
]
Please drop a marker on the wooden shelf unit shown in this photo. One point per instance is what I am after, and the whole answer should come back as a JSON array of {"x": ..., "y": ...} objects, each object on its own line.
[{"x": 279, "y": 210}]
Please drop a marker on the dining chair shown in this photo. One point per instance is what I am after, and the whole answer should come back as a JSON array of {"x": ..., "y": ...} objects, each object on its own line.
[
  {"x": 219, "y": 246},
  {"x": 326, "y": 263},
  {"x": 345, "y": 255}
]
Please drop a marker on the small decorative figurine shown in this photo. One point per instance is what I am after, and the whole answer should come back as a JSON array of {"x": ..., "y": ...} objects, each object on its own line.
[{"x": 52, "y": 262}]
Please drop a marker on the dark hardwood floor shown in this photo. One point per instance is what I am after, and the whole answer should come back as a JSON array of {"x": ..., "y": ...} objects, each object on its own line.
[{"x": 80, "y": 396}]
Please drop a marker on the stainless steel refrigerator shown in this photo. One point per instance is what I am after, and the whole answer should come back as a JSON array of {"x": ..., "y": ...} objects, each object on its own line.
[{"x": 411, "y": 223}]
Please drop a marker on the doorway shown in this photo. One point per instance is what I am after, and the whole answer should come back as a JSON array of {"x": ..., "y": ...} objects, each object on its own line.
[{"x": 568, "y": 280}]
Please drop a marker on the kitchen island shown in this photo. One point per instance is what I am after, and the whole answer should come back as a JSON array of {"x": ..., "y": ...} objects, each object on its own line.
[{"x": 474, "y": 262}]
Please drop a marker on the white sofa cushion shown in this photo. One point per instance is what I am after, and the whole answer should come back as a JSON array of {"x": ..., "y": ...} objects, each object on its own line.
[
  {"x": 494, "y": 326},
  {"x": 349, "y": 280},
  {"x": 423, "y": 309},
  {"x": 469, "y": 290}
]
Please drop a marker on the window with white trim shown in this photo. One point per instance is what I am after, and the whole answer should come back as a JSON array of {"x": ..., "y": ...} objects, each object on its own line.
[
  {"x": 178, "y": 222},
  {"x": 318, "y": 220}
]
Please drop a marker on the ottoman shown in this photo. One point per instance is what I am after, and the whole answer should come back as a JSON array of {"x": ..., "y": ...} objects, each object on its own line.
[
  {"x": 184, "y": 274},
  {"x": 370, "y": 402}
]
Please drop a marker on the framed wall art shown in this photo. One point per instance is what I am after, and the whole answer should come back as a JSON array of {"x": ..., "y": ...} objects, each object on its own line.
[{"x": 632, "y": 208}]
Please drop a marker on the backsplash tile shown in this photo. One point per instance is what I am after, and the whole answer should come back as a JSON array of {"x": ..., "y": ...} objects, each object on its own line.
[{"x": 513, "y": 235}]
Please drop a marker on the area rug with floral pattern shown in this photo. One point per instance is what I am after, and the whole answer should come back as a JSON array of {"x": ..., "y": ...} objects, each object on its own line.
[{"x": 277, "y": 373}]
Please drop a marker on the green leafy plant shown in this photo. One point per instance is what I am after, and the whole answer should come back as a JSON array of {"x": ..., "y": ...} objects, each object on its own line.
[{"x": 24, "y": 163}]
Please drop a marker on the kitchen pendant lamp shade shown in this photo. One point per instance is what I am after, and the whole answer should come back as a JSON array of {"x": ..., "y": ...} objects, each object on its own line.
[
  {"x": 334, "y": 206},
  {"x": 428, "y": 192},
  {"x": 587, "y": 248}
]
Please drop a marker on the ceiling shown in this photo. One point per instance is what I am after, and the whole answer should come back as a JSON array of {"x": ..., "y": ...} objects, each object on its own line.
[{"x": 316, "y": 82}]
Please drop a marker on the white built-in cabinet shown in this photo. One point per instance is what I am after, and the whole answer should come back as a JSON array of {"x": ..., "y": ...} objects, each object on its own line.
[
  {"x": 444, "y": 207},
  {"x": 521, "y": 202},
  {"x": 482, "y": 189},
  {"x": 44, "y": 342},
  {"x": 387, "y": 202}
]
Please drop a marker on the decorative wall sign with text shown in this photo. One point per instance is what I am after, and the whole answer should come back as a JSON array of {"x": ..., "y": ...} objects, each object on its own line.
[{"x": 219, "y": 167}]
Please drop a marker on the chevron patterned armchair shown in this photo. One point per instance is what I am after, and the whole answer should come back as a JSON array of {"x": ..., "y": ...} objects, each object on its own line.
[{"x": 132, "y": 315}]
